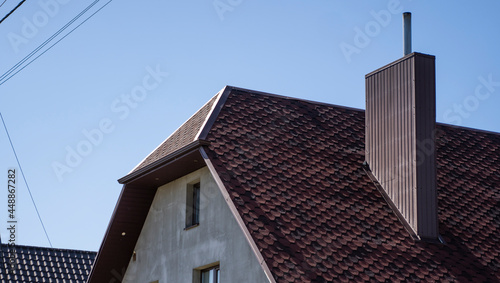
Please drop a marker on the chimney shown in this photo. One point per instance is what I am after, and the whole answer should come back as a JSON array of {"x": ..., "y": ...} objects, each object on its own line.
[{"x": 400, "y": 122}]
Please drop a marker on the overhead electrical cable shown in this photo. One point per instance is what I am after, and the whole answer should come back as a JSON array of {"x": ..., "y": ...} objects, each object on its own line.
[
  {"x": 3, "y": 3},
  {"x": 27, "y": 57},
  {"x": 25, "y": 182},
  {"x": 17, "y": 67},
  {"x": 6, "y": 16}
]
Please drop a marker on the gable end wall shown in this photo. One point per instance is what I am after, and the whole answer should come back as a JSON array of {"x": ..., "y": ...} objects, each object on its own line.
[{"x": 168, "y": 253}]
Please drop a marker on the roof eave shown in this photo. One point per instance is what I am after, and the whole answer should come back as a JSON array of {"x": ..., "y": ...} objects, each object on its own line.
[
  {"x": 133, "y": 206},
  {"x": 144, "y": 171}
]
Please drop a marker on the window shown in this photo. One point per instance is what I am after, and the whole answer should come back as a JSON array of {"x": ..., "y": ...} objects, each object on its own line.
[
  {"x": 211, "y": 275},
  {"x": 193, "y": 205}
]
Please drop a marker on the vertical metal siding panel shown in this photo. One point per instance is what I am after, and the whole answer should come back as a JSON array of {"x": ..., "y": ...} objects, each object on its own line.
[
  {"x": 409, "y": 137},
  {"x": 412, "y": 126},
  {"x": 407, "y": 134},
  {"x": 433, "y": 172},
  {"x": 379, "y": 126},
  {"x": 403, "y": 178},
  {"x": 402, "y": 138},
  {"x": 400, "y": 110},
  {"x": 399, "y": 129},
  {"x": 382, "y": 152},
  {"x": 367, "y": 120},
  {"x": 420, "y": 87},
  {"x": 421, "y": 136},
  {"x": 388, "y": 132},
  {"x": 396, "y": 90},
  {"x": 433, "y": 169},
  {"x": 427, "y": 167},
  {"x": 392, "y": 123},
  {"x": 402, "y": 93},
  {"x": 385, "y": 94}
]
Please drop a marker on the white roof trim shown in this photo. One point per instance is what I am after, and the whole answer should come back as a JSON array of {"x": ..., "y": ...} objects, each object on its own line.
[{"x": 209, "y": 113}]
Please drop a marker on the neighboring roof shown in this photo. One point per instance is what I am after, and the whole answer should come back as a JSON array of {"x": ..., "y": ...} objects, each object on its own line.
[
  {"x": 294, "y": 172},
  {"x": 38, "y": 264}
]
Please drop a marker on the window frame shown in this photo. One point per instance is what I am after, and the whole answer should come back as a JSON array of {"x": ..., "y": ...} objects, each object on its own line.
[
  {"x": 193, "y": 193},
  {"x": 216, "y": 269}
]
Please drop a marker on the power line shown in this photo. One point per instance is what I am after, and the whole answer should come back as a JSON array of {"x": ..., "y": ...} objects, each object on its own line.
[
  {"x": 26, "y": 182},
  {"x": 12, "y": 71},
  {"x": 47, "y": 41},
  {"x": 27, "y": 57},
  {"x": 6, "y": 16},
  {"x": 1, "y": 6}
]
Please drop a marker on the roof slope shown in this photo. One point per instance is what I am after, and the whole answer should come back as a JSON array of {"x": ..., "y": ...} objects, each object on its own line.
[
  {"x": 38, "y": 264},
  {"x": 294, "y": 171},
  {"x": 184, "y": 135}
]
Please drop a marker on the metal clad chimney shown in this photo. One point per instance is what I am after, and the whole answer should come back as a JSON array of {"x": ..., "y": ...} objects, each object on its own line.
[
  {"x": 407, "y": 33},
  {"x": 400, "y": 150},
  {"x": 400, "y": 122}
]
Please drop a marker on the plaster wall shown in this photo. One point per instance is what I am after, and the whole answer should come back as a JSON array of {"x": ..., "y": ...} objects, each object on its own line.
[{"x": 167, "y": 252}]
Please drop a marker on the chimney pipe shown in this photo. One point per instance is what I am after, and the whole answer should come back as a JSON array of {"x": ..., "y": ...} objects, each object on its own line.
[{"x": 407, "y": 33}]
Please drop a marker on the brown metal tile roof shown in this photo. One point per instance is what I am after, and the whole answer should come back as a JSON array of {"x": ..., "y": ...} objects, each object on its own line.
[
  {"x": 38, "y": 264},
  {"x": 294, "y": 171}
]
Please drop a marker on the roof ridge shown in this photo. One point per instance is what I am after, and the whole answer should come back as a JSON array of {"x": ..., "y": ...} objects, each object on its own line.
[
  {"x": 295, "y": 98},
  {"x": 347, "y": 107},
  {"x": 214, "y": 112},
  {"x": 467, "y": 128},
  {"x": 208, "y": 119}
]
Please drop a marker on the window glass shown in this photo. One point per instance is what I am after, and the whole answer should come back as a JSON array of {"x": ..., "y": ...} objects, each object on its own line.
[
  {"x": 193, "y": 205},
  {"x": 211, "y": 275}
]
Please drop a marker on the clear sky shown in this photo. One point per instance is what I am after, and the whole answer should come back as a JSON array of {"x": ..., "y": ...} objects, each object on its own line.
[{"x": 91, "y": 108}]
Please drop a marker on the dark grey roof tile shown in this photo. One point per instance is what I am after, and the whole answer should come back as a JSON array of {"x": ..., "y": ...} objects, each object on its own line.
[{"x": 38, "y": 264}]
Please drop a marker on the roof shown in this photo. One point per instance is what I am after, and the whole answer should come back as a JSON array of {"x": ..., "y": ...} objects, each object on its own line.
[
  {"x": 39, "y": 264},
  {"x": 186, "y": 134},
  {"x": 294, "y": 172}
]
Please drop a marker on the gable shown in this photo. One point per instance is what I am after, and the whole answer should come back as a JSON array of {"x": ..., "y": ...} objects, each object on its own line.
[{"x": 169, "y": 252}]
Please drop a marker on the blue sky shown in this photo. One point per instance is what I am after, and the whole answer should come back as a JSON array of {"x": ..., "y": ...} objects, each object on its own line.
[{"x": 123, "y": 81}]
